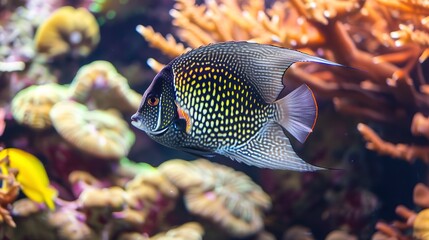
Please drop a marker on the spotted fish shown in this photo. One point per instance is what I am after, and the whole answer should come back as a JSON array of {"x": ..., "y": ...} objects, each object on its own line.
[{"x": 222, "y": 99}]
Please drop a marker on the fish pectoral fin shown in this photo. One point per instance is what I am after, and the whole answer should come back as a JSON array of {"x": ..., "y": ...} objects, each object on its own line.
[
  {"x": 297, "y": 112},
  {"x": 270, "y": 148},
  {"x": 199, "y": 152}
]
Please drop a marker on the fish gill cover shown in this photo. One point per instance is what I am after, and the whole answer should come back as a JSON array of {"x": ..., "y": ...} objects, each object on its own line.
[{"x": 71, "y": 111}]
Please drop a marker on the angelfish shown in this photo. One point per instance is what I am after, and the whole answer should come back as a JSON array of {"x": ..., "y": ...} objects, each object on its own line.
[{"x": 222, "y": 99}]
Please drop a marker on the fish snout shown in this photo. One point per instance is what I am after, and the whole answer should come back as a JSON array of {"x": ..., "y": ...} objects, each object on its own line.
[{"x": 136, "y": 119}]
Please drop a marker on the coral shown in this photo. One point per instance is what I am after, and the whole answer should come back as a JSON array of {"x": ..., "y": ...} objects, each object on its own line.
[
  {"x": 298, "y": 232},
  {"x": 100, "y": 133},
  {"x": 31, "y": 106},
  {"x": 391, "y": 85},
  {"x": 67, "y": 31},
  {"x": 68, "y": 225},
  {"x": 402, "y": 151},
  {"x": 229, "y": 198},
  {"x": 340, "y": 235},
  {"x": 421, "y": 195},
  {"x": 417, "y": 221},
  {"x": 188, "y": 231},
  {"x": 99, "y": 84},
  {"x": 8, "y": 192},
  {"x": 148, "y": 189}
]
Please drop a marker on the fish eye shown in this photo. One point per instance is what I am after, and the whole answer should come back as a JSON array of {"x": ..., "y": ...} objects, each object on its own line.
[{"x": 152, "y": 100}]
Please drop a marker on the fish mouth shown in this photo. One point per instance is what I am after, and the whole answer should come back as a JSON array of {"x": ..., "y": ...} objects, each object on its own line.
[{"x": 136, "y": 121}]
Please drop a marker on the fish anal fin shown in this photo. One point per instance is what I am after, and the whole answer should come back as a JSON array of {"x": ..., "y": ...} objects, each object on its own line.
[
  {"x": 270, "y": 148},
  {"x": 297, "y": 112}
]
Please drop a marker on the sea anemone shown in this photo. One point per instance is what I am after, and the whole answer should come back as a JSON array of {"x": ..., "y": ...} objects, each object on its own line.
[
  {"x": 68, "y": 31},
  {"x": 229, "y": 198},
  {"x": 100, "y": 84},
  {"x": 31, "y": 106},
  {"x": 100, "y": 133}
]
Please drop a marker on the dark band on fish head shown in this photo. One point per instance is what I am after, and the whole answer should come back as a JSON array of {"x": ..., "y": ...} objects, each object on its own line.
[{"x": 157, "y": 109}]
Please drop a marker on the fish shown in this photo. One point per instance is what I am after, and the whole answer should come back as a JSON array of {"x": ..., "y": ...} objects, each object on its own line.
[
  {"x": 31, "y": 176},
  {"x": 222, "y": 99}
]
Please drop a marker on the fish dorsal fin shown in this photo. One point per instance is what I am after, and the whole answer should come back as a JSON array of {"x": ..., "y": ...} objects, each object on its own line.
[
  {"x": 265, "y": 65},
  {"x": 270, "y": 148},
  {"x": 261, "y": 64}
]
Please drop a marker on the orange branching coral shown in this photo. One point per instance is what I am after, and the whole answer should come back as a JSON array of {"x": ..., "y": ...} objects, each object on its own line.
[
  {"x": 229, "y": 198},
  {"x": 421, "y": 195},
  {"x": 402, "y": 151},
  {"x": 167, "y": 45},
  {"x": 389, "y": 89},
  {"x": 417, "y": 221},
  {"x": 68, "y": 31}
]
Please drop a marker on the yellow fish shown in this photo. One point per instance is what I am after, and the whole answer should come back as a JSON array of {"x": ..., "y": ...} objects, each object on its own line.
[{"x": 32, "y": 176}]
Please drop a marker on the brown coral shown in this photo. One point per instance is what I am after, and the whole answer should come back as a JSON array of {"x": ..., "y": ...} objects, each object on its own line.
[
  {"x": 31, "y": 106},
  {"x": 99, "y": 84},
  {"x": 68, "y": 31},
  {"x": 229, "y": 198},
  {"x": 97, "y": 132},
  {"x": 188, "y": 231}
]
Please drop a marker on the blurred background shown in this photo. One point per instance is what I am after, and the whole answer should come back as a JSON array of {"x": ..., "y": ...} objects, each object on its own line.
[{"x": 72, "y": 167}]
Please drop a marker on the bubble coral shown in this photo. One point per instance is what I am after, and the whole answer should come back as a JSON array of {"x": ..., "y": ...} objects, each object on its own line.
[
  {"x": 31, "y": 106},
  {"x": 101, "y": 84},
  {"x": 97, "y": 132},
  {"x": 67, "y": 31},
  {"x": 229, "y": 198}
]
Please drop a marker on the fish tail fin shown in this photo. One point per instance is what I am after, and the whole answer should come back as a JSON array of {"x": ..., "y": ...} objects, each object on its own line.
[
  {"x": 270, "y": 148},
  {"x": 49, "y": 196},
  {"x": 297, "y": 112}
]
